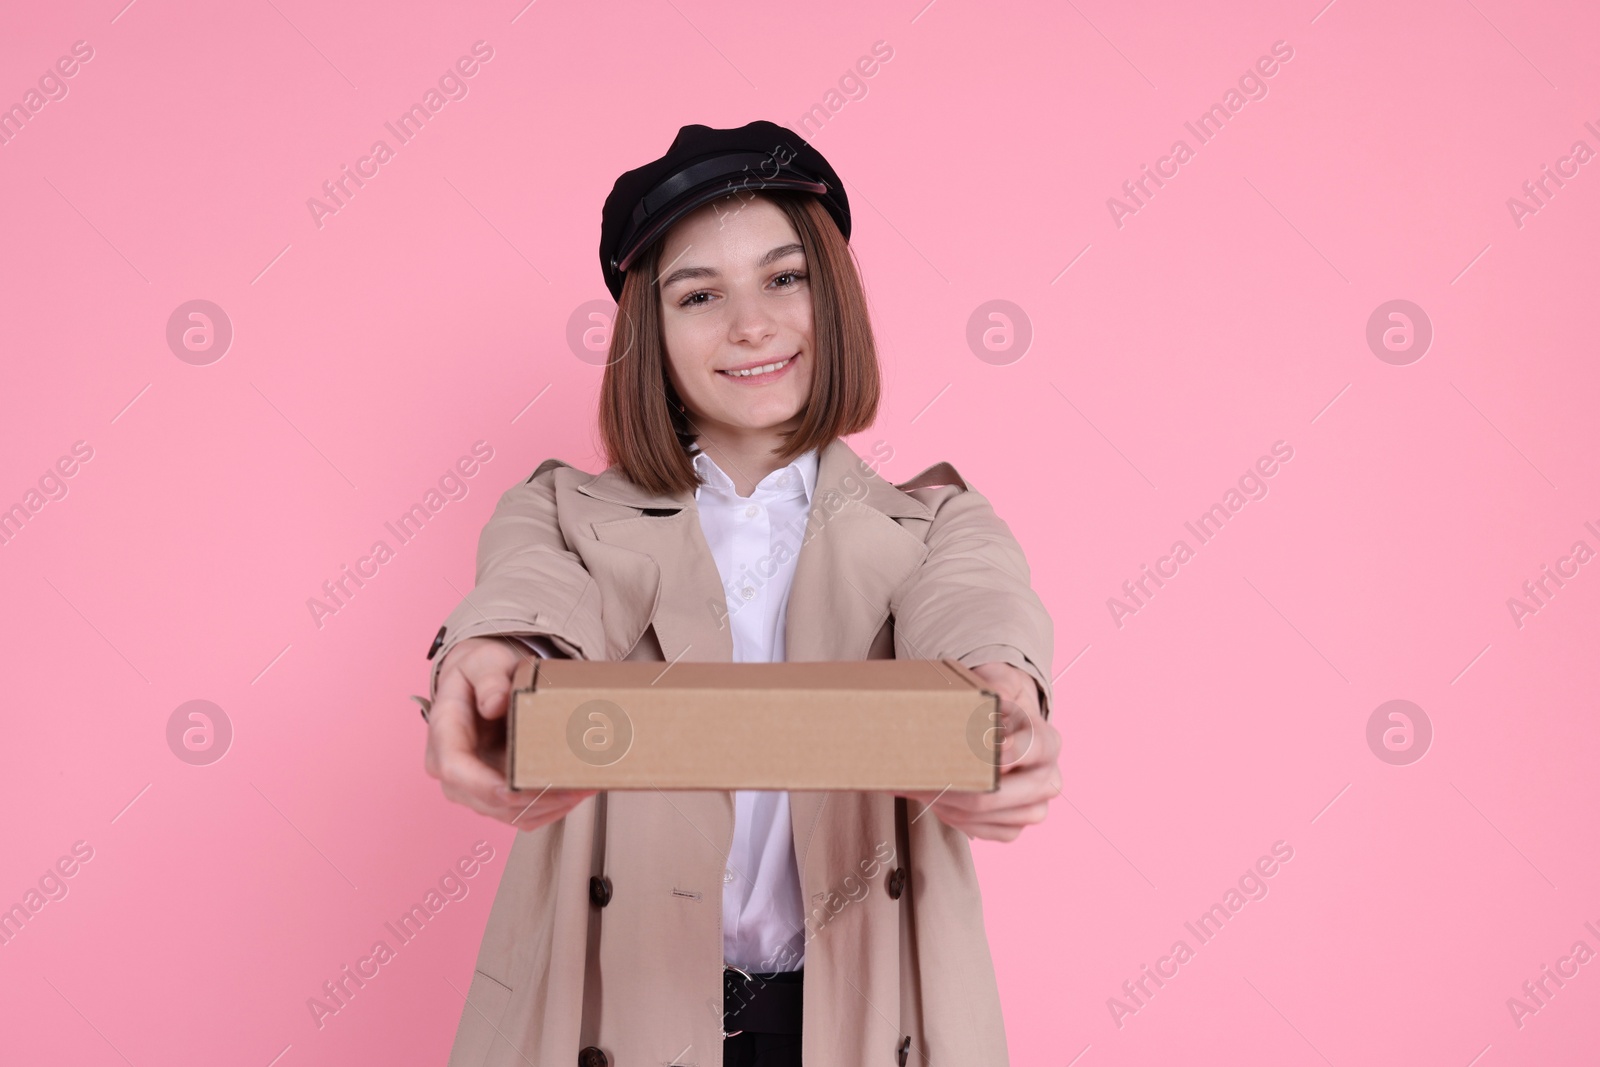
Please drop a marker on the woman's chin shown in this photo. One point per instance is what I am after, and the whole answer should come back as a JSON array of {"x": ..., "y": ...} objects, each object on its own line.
[{"x": 761, "y": 420}]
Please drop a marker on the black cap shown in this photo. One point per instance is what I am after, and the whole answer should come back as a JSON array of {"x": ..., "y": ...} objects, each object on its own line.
[{"x": 703, "y": 164}]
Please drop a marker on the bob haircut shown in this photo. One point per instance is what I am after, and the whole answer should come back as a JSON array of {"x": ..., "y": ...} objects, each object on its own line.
[{"x": 645, "y": 435}]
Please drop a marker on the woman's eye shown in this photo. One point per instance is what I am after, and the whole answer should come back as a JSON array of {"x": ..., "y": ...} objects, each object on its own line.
[{"x": 693, "y": 300}]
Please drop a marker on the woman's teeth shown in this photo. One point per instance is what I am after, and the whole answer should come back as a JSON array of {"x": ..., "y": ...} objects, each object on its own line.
[{"x": 767, "y": 369}]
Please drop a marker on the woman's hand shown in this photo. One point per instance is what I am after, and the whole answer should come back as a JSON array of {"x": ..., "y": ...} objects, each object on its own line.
[
  {"x": 467, "y": 737},
  {"x": 1030, "y": 775}
]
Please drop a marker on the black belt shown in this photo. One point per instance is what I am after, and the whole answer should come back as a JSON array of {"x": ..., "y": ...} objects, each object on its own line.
[{"x": 767, "y": 1003}]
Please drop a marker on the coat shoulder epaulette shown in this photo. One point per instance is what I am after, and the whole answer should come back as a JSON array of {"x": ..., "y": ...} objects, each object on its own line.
[
  {"x": 548, "y": 464},
  {"x": 940, "y": 473}
]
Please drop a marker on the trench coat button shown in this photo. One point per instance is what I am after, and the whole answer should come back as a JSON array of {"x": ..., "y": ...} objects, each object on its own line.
[
  {"x": 593, "y": 1057},
  {"x": 600, "y": 890},
  {"x": 897, "y": 882},
  {"x": 438, "y": 641}
]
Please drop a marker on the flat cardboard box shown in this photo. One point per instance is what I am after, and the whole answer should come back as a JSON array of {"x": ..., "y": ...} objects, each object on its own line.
[{"x": 869, "y": 725}]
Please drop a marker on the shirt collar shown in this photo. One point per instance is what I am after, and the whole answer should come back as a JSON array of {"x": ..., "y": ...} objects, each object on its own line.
[{"x": 804, "y": 466}]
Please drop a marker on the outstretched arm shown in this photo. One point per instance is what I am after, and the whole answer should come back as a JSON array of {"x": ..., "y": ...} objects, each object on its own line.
[
  {"x": 528, "y": 580},
  {"x": 532, "y": 595},
  {"x": 972, "y": 600}
]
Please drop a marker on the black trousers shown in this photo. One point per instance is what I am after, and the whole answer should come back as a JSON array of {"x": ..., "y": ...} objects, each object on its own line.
[
  {"x": 752, "y": 1049},
  {"x": 770, "y": 1000}
]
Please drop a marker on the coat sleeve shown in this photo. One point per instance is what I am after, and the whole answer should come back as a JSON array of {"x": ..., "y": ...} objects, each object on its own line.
[
  {"x": 529, "y": 582},
  {"x": 972, "y": 599}
]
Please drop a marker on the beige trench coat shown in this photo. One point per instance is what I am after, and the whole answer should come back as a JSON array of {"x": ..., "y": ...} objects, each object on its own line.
[{"x": 920, "y": 570}]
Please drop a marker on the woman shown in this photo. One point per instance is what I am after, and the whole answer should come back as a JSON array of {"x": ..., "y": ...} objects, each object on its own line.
[{"x": 734, "y": 523}]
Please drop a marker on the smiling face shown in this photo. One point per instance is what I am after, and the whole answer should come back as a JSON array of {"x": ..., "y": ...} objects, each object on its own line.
[{"x": 735, "y": 296}]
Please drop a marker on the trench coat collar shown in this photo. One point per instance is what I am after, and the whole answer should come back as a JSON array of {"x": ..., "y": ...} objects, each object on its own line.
[{"x": 838, "y": 469}]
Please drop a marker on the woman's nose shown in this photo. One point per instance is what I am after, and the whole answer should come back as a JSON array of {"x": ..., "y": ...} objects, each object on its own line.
[{"x": 749, "y": 319}]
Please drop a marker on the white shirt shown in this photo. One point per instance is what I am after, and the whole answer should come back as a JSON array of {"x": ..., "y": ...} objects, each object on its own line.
[{"x": 755, "y": 542}]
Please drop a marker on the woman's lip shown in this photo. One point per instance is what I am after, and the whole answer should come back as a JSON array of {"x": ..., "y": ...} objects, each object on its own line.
[{"x": 758, "y": 379}]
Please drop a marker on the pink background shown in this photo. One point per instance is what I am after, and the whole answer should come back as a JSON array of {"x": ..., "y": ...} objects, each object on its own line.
[{"x": 1228, "y": 313}]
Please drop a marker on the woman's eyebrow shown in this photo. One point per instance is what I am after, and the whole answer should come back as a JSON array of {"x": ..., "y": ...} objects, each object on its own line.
[
  {"x": 710, "y": 272},
  {"x": 779, "y": 252}
]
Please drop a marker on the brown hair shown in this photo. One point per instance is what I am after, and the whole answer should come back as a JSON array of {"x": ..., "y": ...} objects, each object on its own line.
[{"x": 644, "y": 434}]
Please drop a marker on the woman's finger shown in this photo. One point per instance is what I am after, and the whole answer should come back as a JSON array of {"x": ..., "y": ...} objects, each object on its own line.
[
  {"x": 490, "y": 674},
  {"x": 527, "y": 810},
  {"x": 465, "y": 778},
  {"x": 1030, "y": 739},
  {"x": 552, "y": 806},
  {"x": 450, "y": 727},
  {"x": 995, "y": 831},
  {"x": 1015, "y": 819},
  {"x": 1020, "y": 789}
]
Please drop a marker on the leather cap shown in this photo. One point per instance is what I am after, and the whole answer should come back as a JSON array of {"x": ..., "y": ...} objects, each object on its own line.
[{"x": 702, "y": 164}]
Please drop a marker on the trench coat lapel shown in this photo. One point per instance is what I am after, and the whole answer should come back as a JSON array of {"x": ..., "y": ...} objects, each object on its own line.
[
  {"x": 669, "y": 579},
  {"x": 854, "y": 556}
]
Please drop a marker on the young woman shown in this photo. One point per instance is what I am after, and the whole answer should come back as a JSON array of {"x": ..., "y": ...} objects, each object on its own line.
[{"x": 734, "y": 523}]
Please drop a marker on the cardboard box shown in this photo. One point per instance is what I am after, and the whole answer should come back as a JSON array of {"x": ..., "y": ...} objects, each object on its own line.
[{"x": 867, "y": 725}]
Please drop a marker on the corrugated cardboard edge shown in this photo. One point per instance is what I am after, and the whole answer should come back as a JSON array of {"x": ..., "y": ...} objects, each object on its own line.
[
  {"x": 983, "y": 689},
  {"x": 522, "y": 680}
]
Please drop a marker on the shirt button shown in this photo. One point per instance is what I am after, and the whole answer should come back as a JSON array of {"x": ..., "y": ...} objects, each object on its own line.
[
  {"x": 784, "y": 479},
  {"x": 727, "y": 876},
  {"x": 753, "y": 510},
  {"x": 747, "y": 593}
]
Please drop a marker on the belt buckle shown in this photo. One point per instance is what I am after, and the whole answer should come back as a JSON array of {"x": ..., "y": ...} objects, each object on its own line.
[{"x": 726, "y": 967}]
